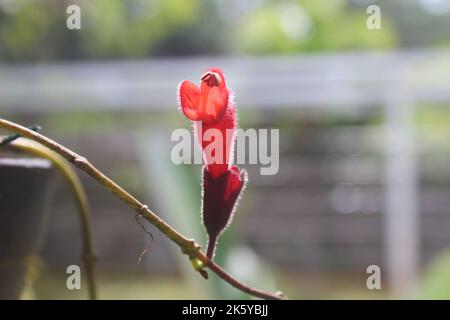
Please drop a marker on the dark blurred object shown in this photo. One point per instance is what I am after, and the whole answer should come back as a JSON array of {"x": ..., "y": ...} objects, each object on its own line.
[{"x": 25, "y": 187}]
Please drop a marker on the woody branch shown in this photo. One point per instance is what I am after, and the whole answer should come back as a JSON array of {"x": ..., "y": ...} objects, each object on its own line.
[{"x": 188, "y": 246}]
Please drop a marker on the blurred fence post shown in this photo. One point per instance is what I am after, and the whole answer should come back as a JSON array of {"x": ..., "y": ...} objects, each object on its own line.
[{"x": 401, "y": 212}]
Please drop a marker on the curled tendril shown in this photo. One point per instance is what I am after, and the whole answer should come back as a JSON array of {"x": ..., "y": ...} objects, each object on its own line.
[{"x": 144, "y": 252}]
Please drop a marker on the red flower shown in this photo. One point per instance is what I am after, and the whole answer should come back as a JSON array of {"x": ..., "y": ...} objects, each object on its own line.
[{"x": 211, "y": 107}]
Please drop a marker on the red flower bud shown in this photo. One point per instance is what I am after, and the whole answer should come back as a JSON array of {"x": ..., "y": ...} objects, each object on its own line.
[{"x": 219, "y": 201}]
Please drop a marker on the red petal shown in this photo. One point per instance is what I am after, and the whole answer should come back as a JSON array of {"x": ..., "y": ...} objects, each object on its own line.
[
  {"x": 235, "y": 183},
  {"x": 190, "y": 100},
  {"x": 214, "y": 101}
]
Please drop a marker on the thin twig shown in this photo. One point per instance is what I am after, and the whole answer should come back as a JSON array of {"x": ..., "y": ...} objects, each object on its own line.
[
  {"x": 144, "y": 252},
  {"x": 81, "y": 199},
  {"x": 187, "y": 246}
]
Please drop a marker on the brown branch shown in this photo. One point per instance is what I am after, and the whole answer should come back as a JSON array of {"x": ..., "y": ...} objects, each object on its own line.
[{"x": 187, "y": 246}]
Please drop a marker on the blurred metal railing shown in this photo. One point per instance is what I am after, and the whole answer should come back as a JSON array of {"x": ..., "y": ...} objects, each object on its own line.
[{"x": 351, "y": 80}]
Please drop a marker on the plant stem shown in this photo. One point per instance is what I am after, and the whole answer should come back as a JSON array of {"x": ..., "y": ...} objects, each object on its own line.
[
  {"x": 187, "y": 246},
  {"x": 80, "y": 198},
  {"x": 211, "y": 247}
]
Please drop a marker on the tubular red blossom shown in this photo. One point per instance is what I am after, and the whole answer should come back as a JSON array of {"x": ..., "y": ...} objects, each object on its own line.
[{"x": 215, "y": 116}]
